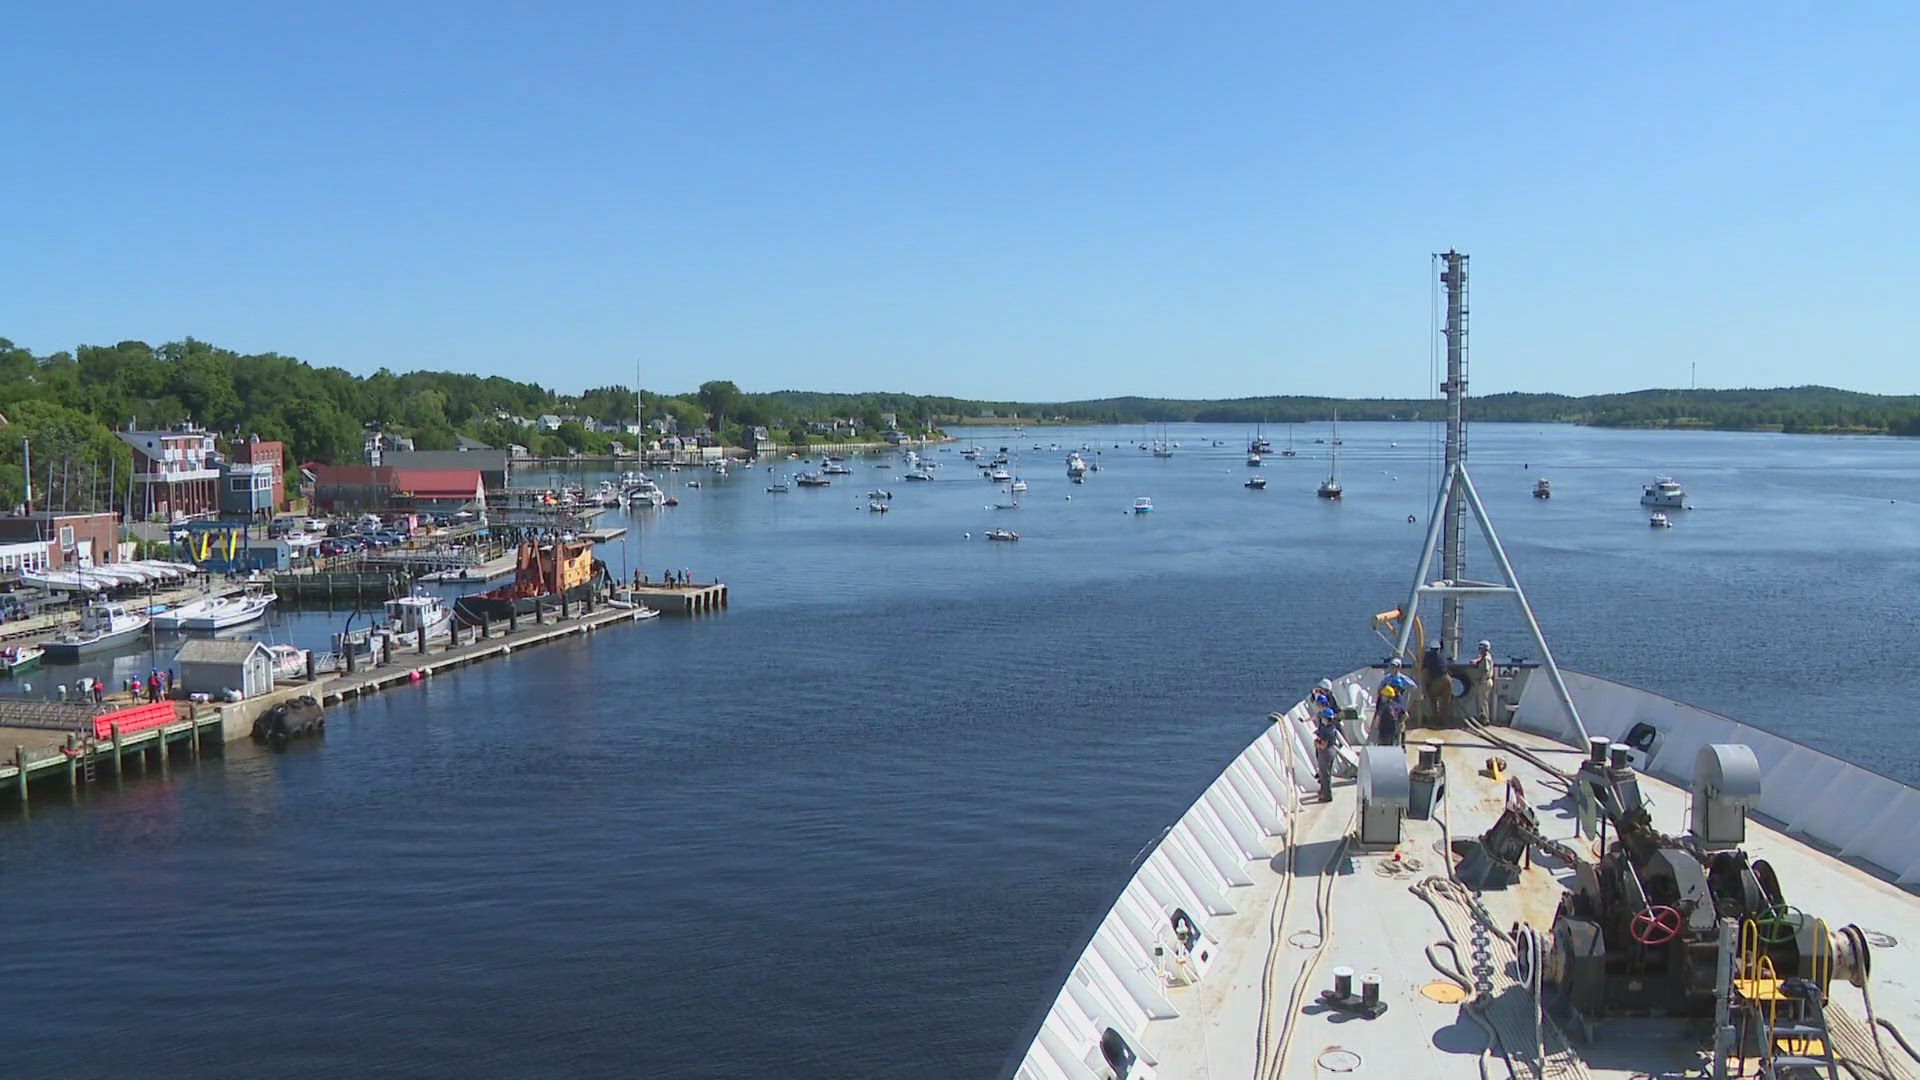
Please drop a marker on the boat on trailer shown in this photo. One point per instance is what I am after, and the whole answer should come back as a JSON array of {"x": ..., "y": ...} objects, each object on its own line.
[{"x": 1574, "y": 875}]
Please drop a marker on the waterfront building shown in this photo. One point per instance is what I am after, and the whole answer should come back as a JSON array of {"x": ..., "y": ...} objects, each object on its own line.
[{"x": 175, "y": 472}]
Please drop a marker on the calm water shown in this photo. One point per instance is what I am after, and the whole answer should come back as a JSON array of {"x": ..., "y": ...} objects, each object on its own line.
[{"x": 856, "y": 825}]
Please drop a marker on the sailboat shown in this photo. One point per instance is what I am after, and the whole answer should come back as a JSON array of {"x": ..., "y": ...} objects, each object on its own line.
[
  {"x": 1330, "y": 487},
  {"x": 1288, "y": 452},
  {"x": 1161, "y": 447},
  {"x": 1258, "y": 445}
]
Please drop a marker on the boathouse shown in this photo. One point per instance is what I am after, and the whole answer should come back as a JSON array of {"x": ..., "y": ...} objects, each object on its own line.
[{"x": 212, "y": 667}]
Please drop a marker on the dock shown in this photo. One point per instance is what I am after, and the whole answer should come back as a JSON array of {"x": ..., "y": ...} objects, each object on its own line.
[
  {"x": 72, "y": 744},
  {"x": 601, "y": 536},
  {"x": 693, "y": 599}
]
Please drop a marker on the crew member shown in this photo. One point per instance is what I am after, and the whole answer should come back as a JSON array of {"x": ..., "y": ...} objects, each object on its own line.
[
  {"x": 1437, "y": 683},
  {"x": 1480, "y": 674},
  {"x": 1321, "y": 697},
  {"x": 1326, "y": 734},
  {"x": 1389, "y": 715}
]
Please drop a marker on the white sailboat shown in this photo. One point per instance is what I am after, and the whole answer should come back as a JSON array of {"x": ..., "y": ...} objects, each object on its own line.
[{"x": 1330, "y": 487}]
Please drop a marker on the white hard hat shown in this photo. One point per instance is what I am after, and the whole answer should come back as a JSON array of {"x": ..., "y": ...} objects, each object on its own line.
[
  {"x": 1486, "y": 644},
  {"x": 1324, "y": 684}
]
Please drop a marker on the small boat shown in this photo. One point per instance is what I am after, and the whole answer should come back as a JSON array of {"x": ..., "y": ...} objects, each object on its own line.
[
  {"x": 1253, "y": 461},
  {"x": 777, "y": 487},
  {"x": 880, "y": 493},
  {"x": 19, "y": 658},
  {"x": 883, "y": 464},
  {"x": 1143, "y": 505},
  {"x": 693, "y": 483},
  {"x": 227, "y": 611},
  {"x": 1079, "y": 479},
  {"x": 1542, "y": 489},
  {"x": 999, "y": 474},
  {"x": 837, "y": 468},
  {"x": 288, "y": 662},
  {"x": 877, "y": 506},
  {"x": 811, "y": 479},
  {"x": 1002, "y": 534},
  {"x": 1257, "y": 483},
  {"x": 1659, "y": 520},
  {"x": 1664, "y": 492},
  {"x": 1019, "y": 485},
  {"x": 1076, "y": 465},
  {"x": 1330, "y": 487},
  {"x": 671, "y": 500},
  {"x": 919, "y": 474},
  {"x": 103, "y": 625}
]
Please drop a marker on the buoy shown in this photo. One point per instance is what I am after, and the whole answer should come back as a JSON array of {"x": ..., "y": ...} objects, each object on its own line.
[
  {"x": 1409, "y": 519},
  {"x": 967, "y": 535},
  {"x": 414, "y": 675}
]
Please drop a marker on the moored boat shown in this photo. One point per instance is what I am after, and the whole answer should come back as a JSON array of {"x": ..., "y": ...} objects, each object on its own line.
[
  {"x": 103, "y": 625},
  {"x": 19, "y": 658},
  {"x": 545, "y": 571}
]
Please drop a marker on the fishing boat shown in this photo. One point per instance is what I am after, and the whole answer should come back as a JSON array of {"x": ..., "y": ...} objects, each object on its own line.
[
  {"x": 215, "y": 612},
  {"x": 919, "y": 473},
  {"x": 103, "y": 625},
  {"x": 1659, "y": 520},
  {"x": 811, "y": 479},
  {"x": 1143, "y": 505},
  {"x": 1560, "y": 876},
  {"x": 545, "y": 572},
  {"x": 289, "y": 663},
  {"x": 19, "y": 658},
  {"x": 1542, "y": 489},
  {"x": 1665, "y": 492},
  {"x": 1257, "y": 483},
  {"x": 836, "y": 467},
  {"x": 1006, "y": 535}
]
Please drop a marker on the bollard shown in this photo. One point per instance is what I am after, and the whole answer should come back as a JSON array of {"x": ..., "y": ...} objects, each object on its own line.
[
  {"x": 1369, "y": 990},
  {"x": 513, "y": 617},
  {"x": 1343, "y": 982},
  {"x": 386, "y": 650},
  {"x": 115, "y": 730}
]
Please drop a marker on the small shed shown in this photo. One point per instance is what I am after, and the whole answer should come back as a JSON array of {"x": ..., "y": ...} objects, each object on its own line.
[{"x": 212, "y": 667}]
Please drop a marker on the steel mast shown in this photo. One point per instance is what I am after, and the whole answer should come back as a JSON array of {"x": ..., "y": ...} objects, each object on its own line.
[
  {"x": 1446, "y": 526},
  {"x": 1453, "y": 555}
]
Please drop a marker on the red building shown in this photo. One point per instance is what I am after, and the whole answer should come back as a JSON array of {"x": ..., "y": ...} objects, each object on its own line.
[
  {"x": 174, "y": 474},
  {"x": 439, "y": 490},
  {"x": 72, "y": 540},
  {"x": 256, "y": 451}
]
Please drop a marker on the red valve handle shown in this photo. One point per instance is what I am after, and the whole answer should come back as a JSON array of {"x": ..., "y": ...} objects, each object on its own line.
[{"x": 1656, "y": 925}]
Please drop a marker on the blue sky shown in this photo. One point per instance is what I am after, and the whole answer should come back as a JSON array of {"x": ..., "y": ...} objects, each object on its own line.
[{"x": 989, "y": 200}]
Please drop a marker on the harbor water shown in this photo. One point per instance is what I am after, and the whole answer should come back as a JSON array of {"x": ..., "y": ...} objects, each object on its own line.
[{"x": 856, "y": 825}]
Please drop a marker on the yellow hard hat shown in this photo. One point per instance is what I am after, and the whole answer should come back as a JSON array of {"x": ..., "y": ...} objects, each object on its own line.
[{"x": 1389, "y": 692}]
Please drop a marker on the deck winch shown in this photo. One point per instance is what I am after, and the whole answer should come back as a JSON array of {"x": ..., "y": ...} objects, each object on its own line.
[{"x": 1638, "y": 933}]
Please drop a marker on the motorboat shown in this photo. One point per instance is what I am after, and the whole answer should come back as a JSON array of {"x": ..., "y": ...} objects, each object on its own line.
[
  {"x": 1660, "y": 520},
  {"x": 19, "y": 658},
  {"x": 811, "y": 479},
  {"x": 1143, "y": 505},
  {"x": 1002, "y": 534},
  {"x": 1542, "y": 489},
  {"x": 1561, "y": 876},
  {"x": 289, "y": 663},
  {"x": 1665, "y": 492},
  {"x": 777, "y": 487},
  {"x": 1076, "y": 465},
  {"x": 1257, "y": 483},
  {"x": 103, "y": 625},
  {"x": 836, "y": 468},
  {"x": 880, "y": 493},
  {"x": 919, "y": 474},
  {"x": 877, "y": 506},
  {"x": 1253, "y": 461},
  {"x": 215, "y": 612},
  {"x": 1018, "y": 484},
  {"x": 999, "y": 475}
]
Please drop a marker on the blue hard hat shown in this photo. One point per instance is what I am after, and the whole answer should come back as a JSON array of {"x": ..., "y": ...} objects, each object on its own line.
[{"x": 1328, "y": 714}]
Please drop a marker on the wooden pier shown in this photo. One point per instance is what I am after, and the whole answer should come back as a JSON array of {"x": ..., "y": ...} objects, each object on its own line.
[
  {"x": 94, "y": 741},
  {"x": 467, "y": 646}
]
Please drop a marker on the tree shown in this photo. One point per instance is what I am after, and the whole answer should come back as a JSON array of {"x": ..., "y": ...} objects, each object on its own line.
[
  {"x": 718, "y": 397},
  {"x": 797, "y": 436},
  {"x": 77, "y": 461}
]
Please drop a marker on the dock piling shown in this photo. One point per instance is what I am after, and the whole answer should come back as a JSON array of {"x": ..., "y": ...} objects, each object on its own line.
[
  {"x": 118, "y": 764},
  {"x": 20, "y": 772}
]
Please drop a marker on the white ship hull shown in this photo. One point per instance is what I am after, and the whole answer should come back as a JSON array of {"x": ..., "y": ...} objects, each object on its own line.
[{"x": 1837, "y": 834}]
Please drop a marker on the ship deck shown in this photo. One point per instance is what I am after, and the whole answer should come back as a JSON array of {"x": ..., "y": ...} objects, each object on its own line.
[{"x": 1322, "y": 902}]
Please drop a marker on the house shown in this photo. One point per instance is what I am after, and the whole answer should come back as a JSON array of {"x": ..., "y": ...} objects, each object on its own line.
[
  {"x": 212, "y": 667},
  {"x": 247, "y": 490},
  {"x": 889, "y": 420},
  {"x": 549, "y": 422},
  {"x": 464, "y": 444},
  {"x": 174, "y": 471},
  {"x": 762, "y": 442},
  {"x": 379, "y": 443},
  {"x": 491, "y": 463},
  {"x": 665, "y": 425},
  {"x": 267, "y": 452},
  {"x": 439, "y": 490},
  {"x": 65, "y": 539},
  {"x": 895, "y": 437},
  {"x": 515, "y": 450}
]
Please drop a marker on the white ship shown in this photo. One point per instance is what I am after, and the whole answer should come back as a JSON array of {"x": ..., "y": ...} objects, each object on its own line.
[
  {"x": 1665, "y": 492},
  {"x": 1552, "y": 875}
]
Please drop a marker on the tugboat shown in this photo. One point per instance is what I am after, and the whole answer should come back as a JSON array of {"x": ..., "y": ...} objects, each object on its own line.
[{"x": 545, "y": 571}]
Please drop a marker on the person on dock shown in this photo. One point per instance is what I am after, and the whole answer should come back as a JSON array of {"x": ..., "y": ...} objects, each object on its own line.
[
  {"x": 99, "y": 689},
  {"x": 1326, "y": 735}
]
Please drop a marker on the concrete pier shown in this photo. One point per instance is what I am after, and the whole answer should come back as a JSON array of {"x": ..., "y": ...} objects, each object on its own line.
[{"x": 695, "y": 599}]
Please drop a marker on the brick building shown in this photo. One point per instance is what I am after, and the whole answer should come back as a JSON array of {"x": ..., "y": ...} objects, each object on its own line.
[
  {"x": 72, "y": 539},
  {"x": 175, "y": 473}
]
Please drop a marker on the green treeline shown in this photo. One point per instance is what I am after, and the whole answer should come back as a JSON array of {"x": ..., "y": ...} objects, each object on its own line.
[{"x": 67, "y": 402}]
